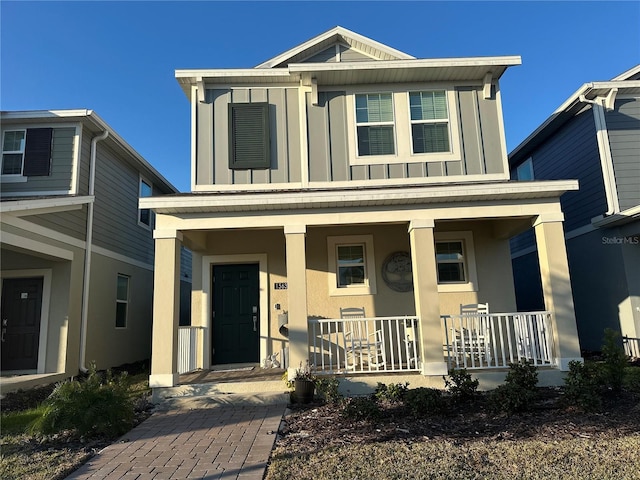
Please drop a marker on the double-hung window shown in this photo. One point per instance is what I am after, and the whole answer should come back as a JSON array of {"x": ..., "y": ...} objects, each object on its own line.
[
  {"x": 351, "y": 265},
  {"x": 450, "y": 259},
  {"x": 26, "y": 153},
  {"x": 456, "y": 262},
  {"x": 13, "y": 152},
  {"x": 429, "y": 122},
  {"x": 122, "y": 301},
  {"x": 144, "y": 214},
  {"x": 375, "y": 124}
]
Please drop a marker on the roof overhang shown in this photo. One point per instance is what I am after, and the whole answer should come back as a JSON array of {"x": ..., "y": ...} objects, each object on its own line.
[
  {"x": 21, "y": 207},
  {"x": 350, "y": 73},
  {"x": 355, "y": 197},
  {"x": 580, "y": 99}
]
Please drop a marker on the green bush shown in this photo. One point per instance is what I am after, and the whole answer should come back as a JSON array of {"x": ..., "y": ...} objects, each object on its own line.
[
  {"x": 327, "y": 389},
  {"x": 615, "y": 360},
  {"x": 424, "y": 401},
  {"x": 361, "y": 408},
  {"x": 582, "y": 386},
  {"x": 96, "y": 406},
  {"x": 393, "y": 393},
  {"x": 518, "y": 393},
  {"x": 631, "y": 382},
  {"x": 462, "y": 387}
]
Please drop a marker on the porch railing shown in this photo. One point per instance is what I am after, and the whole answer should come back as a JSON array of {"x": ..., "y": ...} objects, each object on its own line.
[
  {"x": 188, "y": 340},
  {"x": 497, "y": 339},
  {"x": 631, "y": 346},
  {"x": 364, "y": 345}
]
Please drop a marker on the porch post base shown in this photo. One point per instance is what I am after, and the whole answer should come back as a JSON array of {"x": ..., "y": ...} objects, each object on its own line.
[
  {"x": 563, "y": 363},
  {"x": 163, "y": 380},
  {"x": 434, "y": 368}
]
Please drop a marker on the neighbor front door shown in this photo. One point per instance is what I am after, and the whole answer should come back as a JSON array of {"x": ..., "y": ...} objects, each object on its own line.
[
  {"x": 236, "y": 319},
  {"x": 21, "y": 313}
]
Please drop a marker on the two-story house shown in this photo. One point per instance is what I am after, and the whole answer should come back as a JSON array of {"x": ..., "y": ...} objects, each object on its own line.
[
  {"x": 346, "y": 176},
  {"x": 77, "y": 253},
  {"x": 594, "y": 136}
]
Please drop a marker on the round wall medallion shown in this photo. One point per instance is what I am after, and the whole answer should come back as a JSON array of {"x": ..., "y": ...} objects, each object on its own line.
[{"x": 396, "y": 272}]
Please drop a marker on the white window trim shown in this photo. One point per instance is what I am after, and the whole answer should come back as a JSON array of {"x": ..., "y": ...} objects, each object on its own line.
[
  {"x": 118, "y": 301},
  {"x": 13, "y": 177},
  {"x": 402, "y": 127},
  {"x": 450, "y": 101},
  {"x": 469, "y": 259},
  {"x": 140, "y": 222},
  {"x": 528, "y": 163},
  {"x": 369, "y": 287}
]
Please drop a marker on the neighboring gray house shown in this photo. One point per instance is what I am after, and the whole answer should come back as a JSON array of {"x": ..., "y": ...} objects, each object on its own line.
[
  {"x": 77, "y": 253},
  {"x": 594, "y": 137}
]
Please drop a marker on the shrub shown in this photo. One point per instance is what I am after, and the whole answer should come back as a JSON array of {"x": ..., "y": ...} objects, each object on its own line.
[
  {"x": 462, "y": 387},
  {"x": 424, "y": 401},
  {"x": 96, "y": 406},
  {"x": 361, "y": 408},
  {"x": 327, "y": 389},
  {"x": 615, "y": 360},
  {"x": 582, "y": 386},
  {"x": 518, "y": 392},
  {"x": 394, "y": 392},
  {"x": 631, "y": 382}
]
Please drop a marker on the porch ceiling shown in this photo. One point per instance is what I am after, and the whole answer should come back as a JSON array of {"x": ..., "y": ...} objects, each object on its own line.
[{"x": 272, "y": 200}]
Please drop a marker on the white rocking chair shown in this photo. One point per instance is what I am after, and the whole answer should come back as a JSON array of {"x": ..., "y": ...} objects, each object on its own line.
[{"x": 362, "y": 345}]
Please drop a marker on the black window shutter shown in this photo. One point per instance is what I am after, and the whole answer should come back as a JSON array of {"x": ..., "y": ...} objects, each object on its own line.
[
  {"x": 37, "y": 152},
  {"x": 249, "y": 146}
]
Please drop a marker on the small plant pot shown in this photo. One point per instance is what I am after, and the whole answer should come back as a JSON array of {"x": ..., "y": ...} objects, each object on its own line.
[{"x": 304, "y": 390}]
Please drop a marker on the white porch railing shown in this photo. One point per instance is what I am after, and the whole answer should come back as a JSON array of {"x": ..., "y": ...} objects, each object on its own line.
[
  {"x": 364, "y": 345},
  {"x": 189, "y": 338},
  {"x": 631, "y": 346},
  {"x": 497, "y": 339}
]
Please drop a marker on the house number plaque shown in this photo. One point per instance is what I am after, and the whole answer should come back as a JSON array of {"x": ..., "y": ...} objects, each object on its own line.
[{"x": 280, "y": 286}]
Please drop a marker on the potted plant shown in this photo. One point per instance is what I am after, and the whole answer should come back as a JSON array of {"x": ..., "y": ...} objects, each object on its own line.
[{"x": 304, "y": 384}]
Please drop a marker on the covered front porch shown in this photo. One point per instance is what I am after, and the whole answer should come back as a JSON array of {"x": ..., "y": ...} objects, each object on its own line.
[{"x": 443, "y": 254}]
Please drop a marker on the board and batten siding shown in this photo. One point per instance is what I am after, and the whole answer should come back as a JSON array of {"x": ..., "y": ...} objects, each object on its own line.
[
  {"x": 61, "y": 171},
  {"x": 479, "y": 130},
  {"x": 213, "y": 137},
  {"x": 623, "y": 127},
  {"x": 115, "y": 226}
]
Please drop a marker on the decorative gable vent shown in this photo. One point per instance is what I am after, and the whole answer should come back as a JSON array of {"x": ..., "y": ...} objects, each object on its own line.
[{"x": 249, "y": 146}]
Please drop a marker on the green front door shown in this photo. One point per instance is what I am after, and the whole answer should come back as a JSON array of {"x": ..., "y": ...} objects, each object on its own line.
[{"x": 236, "y": 318}]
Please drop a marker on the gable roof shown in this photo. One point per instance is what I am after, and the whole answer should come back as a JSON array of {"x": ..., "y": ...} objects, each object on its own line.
[
  {"x": 367, "y": 46},
  {"x": 626, "y": 83}
]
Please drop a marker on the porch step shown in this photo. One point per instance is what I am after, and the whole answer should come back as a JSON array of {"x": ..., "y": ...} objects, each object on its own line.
[
  {"x": 224, "y": 399},
  {"x": 237, "y": 393}
]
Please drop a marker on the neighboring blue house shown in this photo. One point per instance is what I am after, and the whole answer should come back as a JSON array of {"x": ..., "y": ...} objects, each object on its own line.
[{"x": 593, "y": 137}]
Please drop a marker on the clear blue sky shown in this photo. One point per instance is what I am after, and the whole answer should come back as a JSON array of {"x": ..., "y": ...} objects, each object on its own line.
[{"x": 118, "y": 58}]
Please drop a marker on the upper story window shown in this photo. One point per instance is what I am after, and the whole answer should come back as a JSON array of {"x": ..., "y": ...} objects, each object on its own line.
[
  {"x": 144, "y": 214},
  {"x": 26, "y": 153},
  {"x": 249, "y": 136},
  {"x": 122, "y": 301},
  {"x": 429, "y": 121},
  {"x": 525, "y": 170},
  {"x": 375, "y": 126},
  {"x": 403, "y": 126}
]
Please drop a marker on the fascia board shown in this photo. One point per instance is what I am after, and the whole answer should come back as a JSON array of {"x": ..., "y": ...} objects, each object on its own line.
[
  {"x": 43, "y": 205},
  {"x": 629, "y": 73},
  {"x": 228, "y": 72},
  {"x": 517, "y": 190}
]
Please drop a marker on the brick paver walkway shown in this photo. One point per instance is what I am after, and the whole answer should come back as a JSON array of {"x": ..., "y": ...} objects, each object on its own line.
[{"x": 222, "y": 442}]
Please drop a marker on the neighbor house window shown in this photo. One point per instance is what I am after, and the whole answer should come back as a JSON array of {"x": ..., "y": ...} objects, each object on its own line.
[
  {"x": 429, "y": 122},
  {"x": 351, "y": 265},
  {"x": 525, "y": 170},
  {"x": 26, "y": 153},
  {"x": 450, "y": 260},
  {"x": 375, "y": 124},
  {"x": 122, "y": 301},
  {"x": 144, "y": 214},
  {"x": 249, "y": 136}
]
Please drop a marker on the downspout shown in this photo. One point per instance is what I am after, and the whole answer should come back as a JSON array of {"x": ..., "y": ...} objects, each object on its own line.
[
  {"x": 606, "y": 160},
  {"x": 87, "y": 253}
]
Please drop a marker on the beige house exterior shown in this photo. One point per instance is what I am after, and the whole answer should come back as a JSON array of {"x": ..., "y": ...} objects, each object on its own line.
[
  {"x": 76, "y": 252},
  {"x": 343, "y": 173}
]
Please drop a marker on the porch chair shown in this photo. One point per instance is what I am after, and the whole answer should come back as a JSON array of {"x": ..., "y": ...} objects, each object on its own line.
[
  {"x": 473, "y": 337},
  {"x": 360, "y": 344}
]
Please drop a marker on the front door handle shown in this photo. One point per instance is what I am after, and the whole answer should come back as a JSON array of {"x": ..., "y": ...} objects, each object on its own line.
[
  {"x": 4, "y": 332},
  {"x": 255, "y": 323}
]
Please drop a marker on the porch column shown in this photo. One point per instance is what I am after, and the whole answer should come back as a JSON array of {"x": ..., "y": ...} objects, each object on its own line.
[
  {"x": 556, "y": 287},
  {"x": 166, "y": 309},
  {"x": 425, "y": 290},
  {"x": 297, "y": 291}
]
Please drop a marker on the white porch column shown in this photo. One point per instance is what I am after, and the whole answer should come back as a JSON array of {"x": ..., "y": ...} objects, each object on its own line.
[
  {"x": 425, "y": 290},
  {"x": 166, "y": 309},
  {"x": 297, "y": 292},
  {"x": 556, "y": 287}
]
